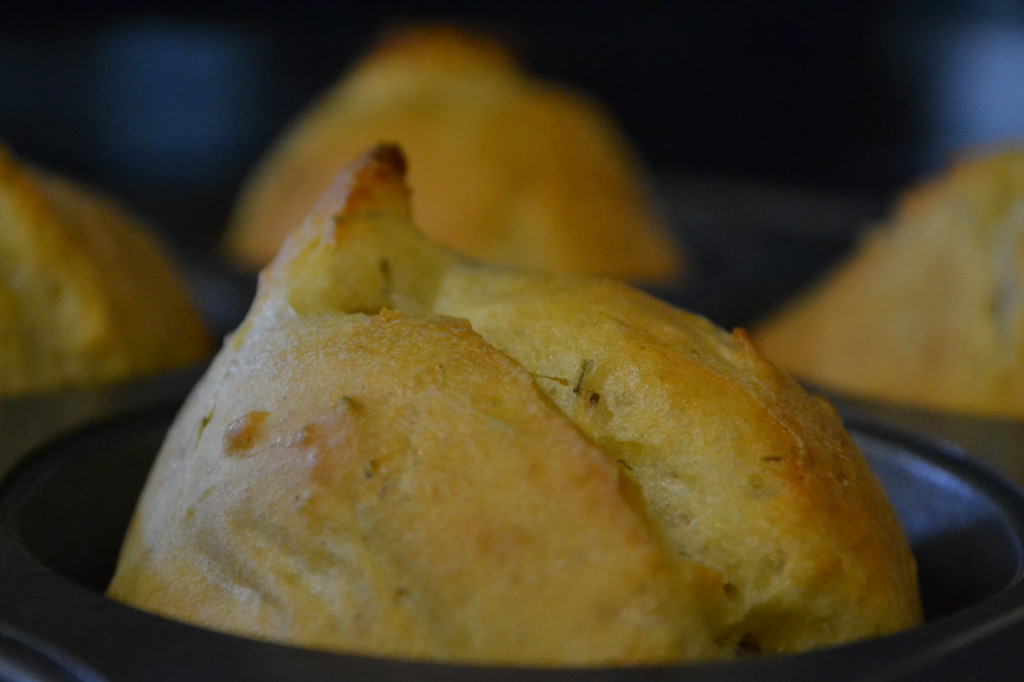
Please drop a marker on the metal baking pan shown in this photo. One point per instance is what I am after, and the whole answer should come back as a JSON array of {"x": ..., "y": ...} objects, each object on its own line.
[
  {"x": 64, "y": 507},
  {"x": 72, "y": 464}
]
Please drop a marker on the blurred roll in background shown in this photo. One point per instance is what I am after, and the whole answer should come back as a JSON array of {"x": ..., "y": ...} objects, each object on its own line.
[{"x": 793, "y": 124}]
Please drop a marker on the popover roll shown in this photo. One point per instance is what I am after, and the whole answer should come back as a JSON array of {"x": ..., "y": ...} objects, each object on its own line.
[
  {"x": 406, "y": 452},
  {"x": 87, "y": 294},
  {"x": 506, "y": 166},
  {"x": 928, "y": 310}
]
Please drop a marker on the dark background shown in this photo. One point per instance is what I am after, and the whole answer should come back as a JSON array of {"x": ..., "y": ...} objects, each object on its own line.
[{"x": 166, "y": 105}]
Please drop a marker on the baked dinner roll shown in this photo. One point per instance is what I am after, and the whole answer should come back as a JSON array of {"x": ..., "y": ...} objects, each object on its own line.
[
  {"x": 86, "y": 295},
  {"x": 405, "y": 452},
  {"x": 506, "y": 167},
  {"x": 929, "y": 309}
]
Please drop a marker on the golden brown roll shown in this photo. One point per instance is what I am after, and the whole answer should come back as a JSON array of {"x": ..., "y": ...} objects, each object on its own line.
[
  {"x": 86, "y": 295},
  {"x": 506, "y": 167},
  {"x": 928, "y": 309},
  {"x": 406, "y": 452}
]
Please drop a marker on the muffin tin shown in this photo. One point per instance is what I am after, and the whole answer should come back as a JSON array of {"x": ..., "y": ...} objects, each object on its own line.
[
  {"x": 72, "y": 465},
  {"x": 64, "y": 507}
]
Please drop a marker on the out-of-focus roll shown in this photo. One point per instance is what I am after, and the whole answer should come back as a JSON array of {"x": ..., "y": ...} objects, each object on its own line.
[
  {"x": 87, "y": 296},
  {"x": 929, "y": 309},
  {"x": 506, "y": 167}
]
